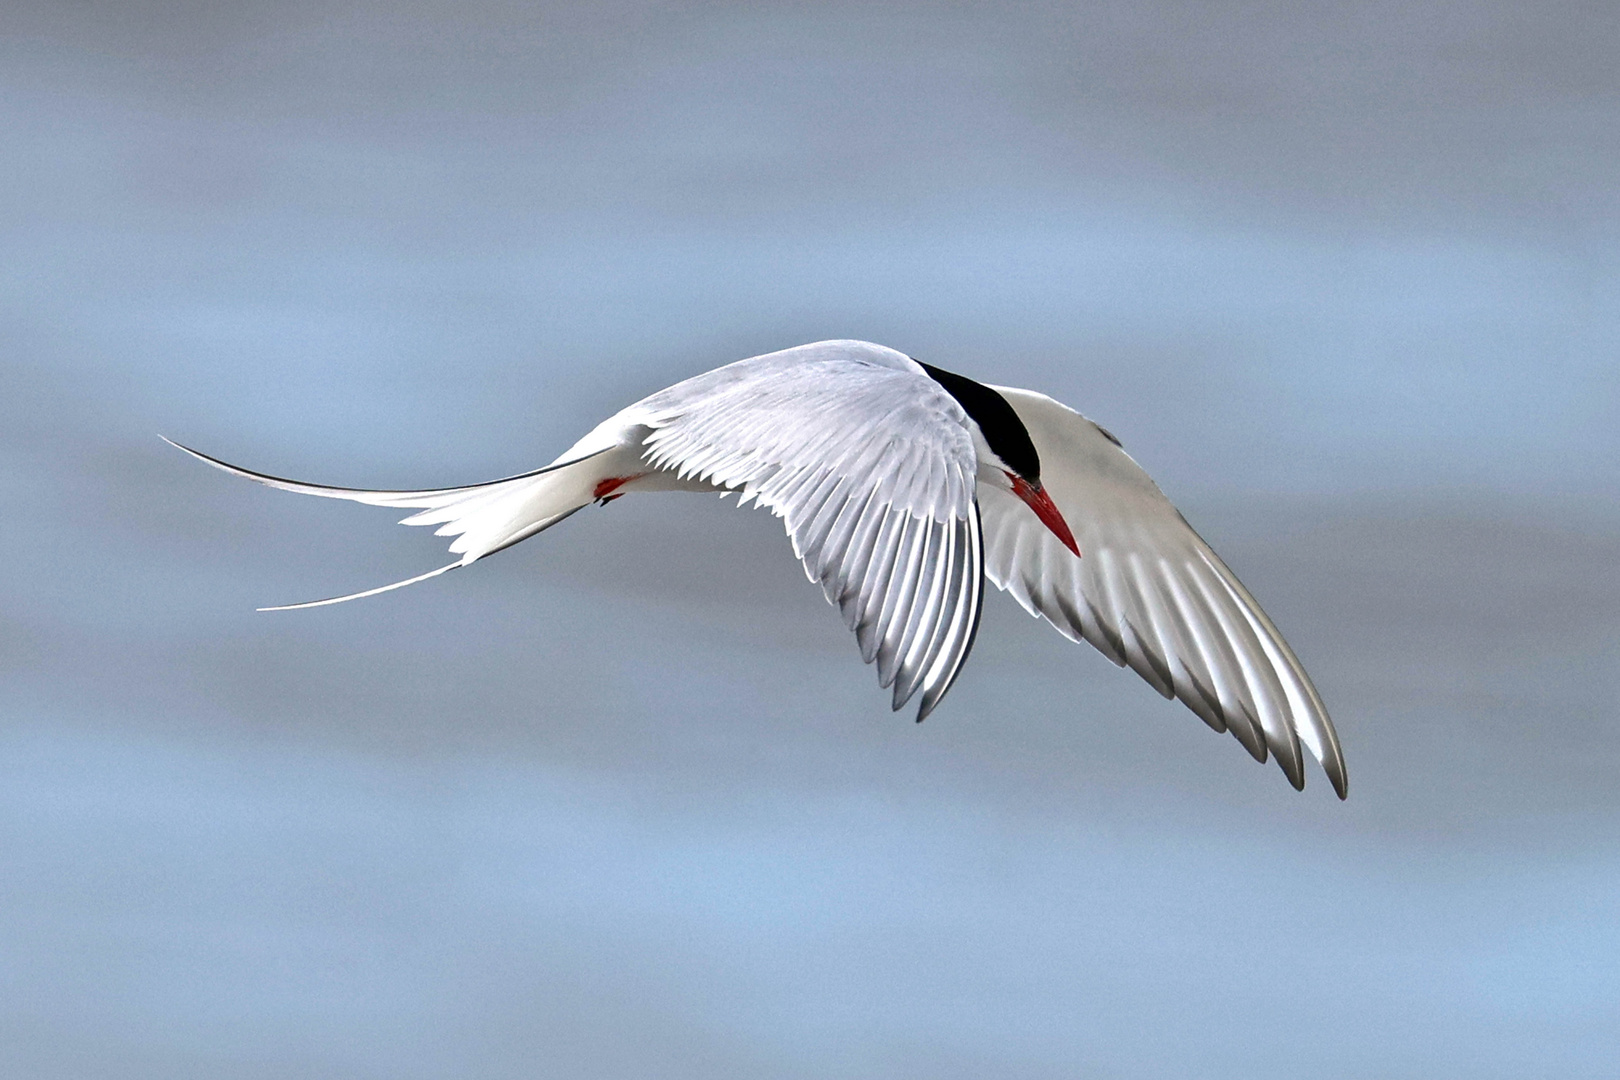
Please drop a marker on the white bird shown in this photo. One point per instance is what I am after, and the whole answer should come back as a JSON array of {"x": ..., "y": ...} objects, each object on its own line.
[{"x": 902, "y": 488}]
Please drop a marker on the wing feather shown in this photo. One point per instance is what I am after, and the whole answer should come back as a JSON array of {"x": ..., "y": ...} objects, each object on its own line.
[
  {"x": 947, "y": 665},
  {"x": 1150, "y": 594},
  {"x": 871, "y": 466},
  {"x": 902, "y": 591},
  {"x": 922, "y": 621}
]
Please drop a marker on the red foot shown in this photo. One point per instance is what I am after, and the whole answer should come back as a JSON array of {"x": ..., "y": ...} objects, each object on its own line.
[{"x": 605, "y": 489}]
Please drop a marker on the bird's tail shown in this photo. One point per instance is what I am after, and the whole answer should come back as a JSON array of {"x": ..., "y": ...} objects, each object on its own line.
[{"x": 484, "y": 518}]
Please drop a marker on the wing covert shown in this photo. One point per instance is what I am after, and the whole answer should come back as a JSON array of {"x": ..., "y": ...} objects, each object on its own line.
[{"x": 871, "y": 467}]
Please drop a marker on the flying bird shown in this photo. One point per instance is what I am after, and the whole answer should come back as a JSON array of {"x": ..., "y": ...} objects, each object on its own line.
[{"x": 903, "y": 488}]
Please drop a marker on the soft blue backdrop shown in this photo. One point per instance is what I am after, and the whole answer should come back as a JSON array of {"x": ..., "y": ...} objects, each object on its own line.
[{"x": 623, "y": 802}]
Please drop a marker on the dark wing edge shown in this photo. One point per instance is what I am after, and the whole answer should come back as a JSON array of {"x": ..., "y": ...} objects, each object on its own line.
[
  {"x": 910, "y": 587},
  {"x": 1182, "y": 621},
  {"x": 1309, "y": 713}
]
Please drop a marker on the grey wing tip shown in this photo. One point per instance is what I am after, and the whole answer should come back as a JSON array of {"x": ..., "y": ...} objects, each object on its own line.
[
  {"x": 934, "y": 694},
  {"x": 1336, "y": 776},
  {"x": 1334, "y": 760},
  {"x": 1339, "y": 779},
  {"x": 900, "y": 698}
]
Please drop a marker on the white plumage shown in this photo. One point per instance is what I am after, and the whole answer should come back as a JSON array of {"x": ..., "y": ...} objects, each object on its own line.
[{"x": 899, "y": 503}]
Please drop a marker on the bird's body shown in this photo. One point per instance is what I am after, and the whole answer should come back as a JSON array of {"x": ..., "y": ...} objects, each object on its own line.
[{"x": 904, "y": 487}]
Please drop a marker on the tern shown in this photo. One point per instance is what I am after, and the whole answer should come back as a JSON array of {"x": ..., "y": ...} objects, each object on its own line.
[{"x": 903, "y": 488}]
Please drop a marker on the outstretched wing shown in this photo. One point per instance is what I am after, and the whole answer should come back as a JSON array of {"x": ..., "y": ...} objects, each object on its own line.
[
  {"x": 871, "y": 467},
  {"x": 1150, "y": 593}
]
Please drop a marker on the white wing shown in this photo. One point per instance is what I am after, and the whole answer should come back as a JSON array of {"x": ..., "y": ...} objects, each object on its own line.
[
  {"x": 871, "y": 466},
  {"x": 1149, "y": 592}
]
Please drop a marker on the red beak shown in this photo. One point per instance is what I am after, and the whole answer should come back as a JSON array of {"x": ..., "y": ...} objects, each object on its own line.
[{"x": 1045, "y": 509}]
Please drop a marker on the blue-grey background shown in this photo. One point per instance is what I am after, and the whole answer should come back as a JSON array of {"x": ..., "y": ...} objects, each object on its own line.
[{"x": 622, "y": 802}]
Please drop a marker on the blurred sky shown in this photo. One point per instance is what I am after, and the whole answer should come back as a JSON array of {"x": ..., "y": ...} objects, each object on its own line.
[{"x": 623, "y": 802}]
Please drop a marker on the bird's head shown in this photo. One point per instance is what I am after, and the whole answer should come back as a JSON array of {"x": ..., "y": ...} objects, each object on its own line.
[{"x": 1004, "y": 445}]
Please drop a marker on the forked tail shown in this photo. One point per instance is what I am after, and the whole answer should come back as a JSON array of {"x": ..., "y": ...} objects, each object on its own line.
[{"x": 484, "y": 518}]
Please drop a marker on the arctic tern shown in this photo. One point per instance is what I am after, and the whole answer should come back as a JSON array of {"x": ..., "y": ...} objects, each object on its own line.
[{"x": 903, "y": 488}]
